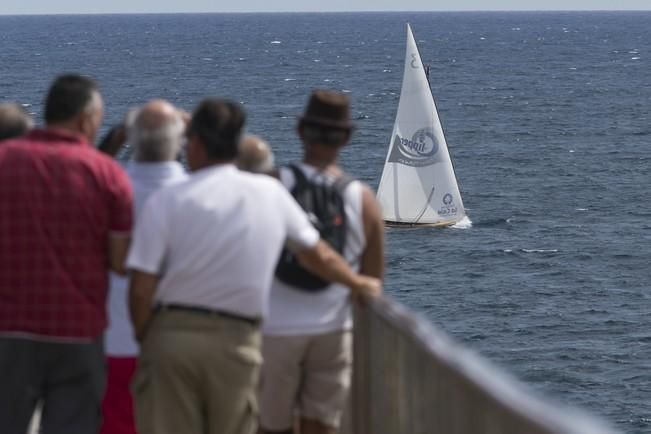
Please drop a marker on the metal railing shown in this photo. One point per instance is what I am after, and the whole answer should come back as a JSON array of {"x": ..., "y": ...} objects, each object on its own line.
[{"x": 409, "y": 378}]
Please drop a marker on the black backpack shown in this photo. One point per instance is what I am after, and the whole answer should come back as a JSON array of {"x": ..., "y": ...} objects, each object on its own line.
[{"x": 324, "y": 205}]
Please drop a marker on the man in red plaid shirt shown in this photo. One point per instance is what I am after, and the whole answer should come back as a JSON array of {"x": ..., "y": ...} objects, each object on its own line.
[{"x": 65, "y": 219}]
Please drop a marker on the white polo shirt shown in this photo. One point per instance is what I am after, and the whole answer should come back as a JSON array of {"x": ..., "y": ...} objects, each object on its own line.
[
  {"x": 145, "y": 179},
  {"x": 216, "y": 238}
]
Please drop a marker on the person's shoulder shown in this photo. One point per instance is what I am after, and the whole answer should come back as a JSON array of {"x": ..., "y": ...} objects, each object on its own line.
[
  {"x": 349, "y": 177},
  {"x": 20, "y": 145},
  {"x": 11, "y": 142},
  {"x": 12, "y": 146},
  {"x": 261, "y": 180},
  {"x": 179, "y": 172},
  {"x": 31, "y": 137},
  {"x": 168, "y": 196},
  {"x": 368, "y": 194},
  {"x": 110, "y": 162},
  {"x": 92, "y": 155},
  {"x": 370, "y": 205},
  {"x": 104, "y": 164},
  {"x": 350, "y": 183},
  {"x": 175, "y": 188},
  {"x": 270, "y": 187}
]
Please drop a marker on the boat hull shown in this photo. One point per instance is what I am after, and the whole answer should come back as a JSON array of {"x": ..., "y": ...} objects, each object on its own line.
[{"x": 393, "y": 224}]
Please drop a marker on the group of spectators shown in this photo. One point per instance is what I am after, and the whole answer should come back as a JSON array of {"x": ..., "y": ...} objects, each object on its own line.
[{"x": 200, "y": 335}]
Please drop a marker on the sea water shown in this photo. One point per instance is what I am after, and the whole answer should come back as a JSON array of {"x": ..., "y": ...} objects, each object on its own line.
[{"x": 547, "y": 120}]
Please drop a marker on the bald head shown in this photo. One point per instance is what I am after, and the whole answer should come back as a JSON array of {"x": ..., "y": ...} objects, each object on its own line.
[
  {"x": 254, "y": 155},
  {"x": 14, "y": 121},
  {"x": 156, "y": 131}
]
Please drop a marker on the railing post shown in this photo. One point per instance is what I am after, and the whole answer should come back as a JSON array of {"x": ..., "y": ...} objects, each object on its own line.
[{"x": 359, "y": 398}]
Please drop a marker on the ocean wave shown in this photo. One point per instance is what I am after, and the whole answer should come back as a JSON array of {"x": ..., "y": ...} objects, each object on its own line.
[
  {"x": 492, "y": 222},
  {"x": 539, "y": 250}
]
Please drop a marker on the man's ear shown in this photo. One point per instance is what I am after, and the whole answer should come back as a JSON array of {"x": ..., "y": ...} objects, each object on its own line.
[
  {"x": 88, "y": 124},
  {"x": 84, "y": 125}
]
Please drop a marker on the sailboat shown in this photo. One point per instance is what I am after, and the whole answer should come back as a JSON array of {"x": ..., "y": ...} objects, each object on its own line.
[{"x": 418, "y": 185}]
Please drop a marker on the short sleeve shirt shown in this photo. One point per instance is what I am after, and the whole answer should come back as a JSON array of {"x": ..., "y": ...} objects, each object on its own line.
[
  {"x": 59, "y": 201},
  {"x": 215, "y": 239},
  {"x": 146, "y": 178}
]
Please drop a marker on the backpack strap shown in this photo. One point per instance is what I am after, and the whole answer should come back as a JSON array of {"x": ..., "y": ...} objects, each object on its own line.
[
  {"x": 342, "y": 182},
  {"x": 300, "y": 180}
]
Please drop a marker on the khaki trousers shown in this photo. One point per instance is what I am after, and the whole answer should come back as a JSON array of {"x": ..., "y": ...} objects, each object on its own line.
[{"x": 197, "y": 373}]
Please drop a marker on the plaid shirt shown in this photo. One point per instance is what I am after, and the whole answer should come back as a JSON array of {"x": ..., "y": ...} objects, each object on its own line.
[{"x": 59, "y": 199}]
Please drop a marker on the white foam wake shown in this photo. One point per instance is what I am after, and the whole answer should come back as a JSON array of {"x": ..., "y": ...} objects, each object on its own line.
[{"x": 464, "y": 223}]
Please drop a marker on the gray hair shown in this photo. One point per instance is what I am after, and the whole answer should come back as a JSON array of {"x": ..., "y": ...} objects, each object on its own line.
[
  {"x": 254, "y": 155},
  {"x": 159, "y": 142},
  {"x": 14, "y": 121}
]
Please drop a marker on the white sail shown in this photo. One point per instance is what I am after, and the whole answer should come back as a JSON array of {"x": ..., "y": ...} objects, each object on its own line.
[{"x": 418, "y": 185}]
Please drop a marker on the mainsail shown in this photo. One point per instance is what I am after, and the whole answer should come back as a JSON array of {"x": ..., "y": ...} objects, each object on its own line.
[{"x": 418, "y": 185}]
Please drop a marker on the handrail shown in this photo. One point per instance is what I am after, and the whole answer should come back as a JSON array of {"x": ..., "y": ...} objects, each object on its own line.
[{"x": 410, "y": 378}]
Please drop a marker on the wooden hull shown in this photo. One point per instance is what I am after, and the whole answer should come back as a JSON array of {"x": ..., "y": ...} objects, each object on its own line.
[{"x": 392, "y": 224}]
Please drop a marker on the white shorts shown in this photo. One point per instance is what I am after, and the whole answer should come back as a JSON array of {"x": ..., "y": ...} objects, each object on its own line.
[{"x": 305, "y": 374}]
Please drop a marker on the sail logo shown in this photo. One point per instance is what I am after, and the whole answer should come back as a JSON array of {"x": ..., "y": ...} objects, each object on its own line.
[
  {"x": 415, "y": 61},
  {"x": 449, "y": 209},
  {"x": 419, "y": 150}
]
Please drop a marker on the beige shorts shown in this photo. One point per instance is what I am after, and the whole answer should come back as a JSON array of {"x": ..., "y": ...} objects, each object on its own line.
[{"x": 305, "y": 375}]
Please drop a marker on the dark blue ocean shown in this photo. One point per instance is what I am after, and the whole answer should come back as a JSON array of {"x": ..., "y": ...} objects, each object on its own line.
[{"x": 547, "y": 117}]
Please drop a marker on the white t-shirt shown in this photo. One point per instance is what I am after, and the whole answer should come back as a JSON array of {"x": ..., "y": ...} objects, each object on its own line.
[
  {"x": 294, "y": 312},
  {"x": 145, "y": 179},
  {"x": 216, "y": 238}
]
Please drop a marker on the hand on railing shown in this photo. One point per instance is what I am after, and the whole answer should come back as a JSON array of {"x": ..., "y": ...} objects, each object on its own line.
[{"x": 365, "y": 289}]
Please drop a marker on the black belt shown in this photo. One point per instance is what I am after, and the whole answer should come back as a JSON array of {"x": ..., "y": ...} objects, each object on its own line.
[{"x": 206, "y": 311}]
